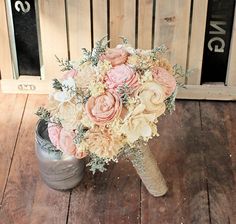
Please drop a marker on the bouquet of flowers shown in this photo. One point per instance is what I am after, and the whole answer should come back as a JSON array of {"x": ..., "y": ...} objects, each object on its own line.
[{"x": 108, "y": 104}]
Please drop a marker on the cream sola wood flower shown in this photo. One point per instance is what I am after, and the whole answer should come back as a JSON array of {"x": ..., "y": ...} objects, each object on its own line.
[
  {"x": 139, "y": 124},
  {"x": 152, "y": 95},
  {"x": 103, "y": 142}
]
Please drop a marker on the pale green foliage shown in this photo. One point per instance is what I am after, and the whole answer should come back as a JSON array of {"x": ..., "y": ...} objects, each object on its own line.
[
  {"x": 170, "y": 102},
  {"x": 93, "y": 56},
  {"x": 97, "y": 163},
  {"x": 65, "y": 64},
  {"x": 56, "y": 84},
  {"x": 80, "y": 134},
  {"x": 43, "y": 114}
]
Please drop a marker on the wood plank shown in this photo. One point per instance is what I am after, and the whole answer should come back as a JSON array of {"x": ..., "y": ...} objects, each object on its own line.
[
  {"x": 27, "y": 199},
  {"x": 99, "y": 19},
  {"x": 11, "y": 107},
  {"x": 109, "y": 197},
  {"x": 52, "y": 23},
  {"x": 122, "y": 21},
  {"x": 180, "y": 159},
  {"x": 172, "y": 29},
  {"x": 196, "y": 44},
  {"x": 145, "y": 11},
  {"x": 6, "y": 71},
  {"x": 26, "y": 85},
  {"x": 79, "y": 27},
  {"x": 221, "y": 182},
  {"x": 207, "y": 92},
  {"x": 231, "y": 71}
]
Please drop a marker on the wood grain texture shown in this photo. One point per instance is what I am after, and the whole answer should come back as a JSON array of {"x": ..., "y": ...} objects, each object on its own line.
[
  {"x": 52, "y": 23},
  {"x": 109, "y": 197},
  {"x": 196, "y": 44},
  {"x": 231, "y": 71},
  {"x": 79, "y": 27},
  {"x": 99, "y": 19},
  {"x": 12, "y": 108},
  {"x": 6, "y": 71},
  {"x": 122, "y": 21},
  {"x": 216, "y": 118},
  {"x": 180, "y": 159},
  {"x": 27, "y": 199},
  {"x": 172, "y": 28},
  {"x": 145, "y": 13}
]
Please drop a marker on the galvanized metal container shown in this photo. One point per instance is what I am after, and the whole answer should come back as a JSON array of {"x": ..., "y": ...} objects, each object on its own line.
[{"x": 58, "y": 171}]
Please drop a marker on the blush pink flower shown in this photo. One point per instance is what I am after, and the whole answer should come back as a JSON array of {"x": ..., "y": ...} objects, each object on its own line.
[
  {"x": 54, "y": 131},
  {"x": 103, "y": 108},
  {"x": 165, "y": 79},
  {"x": 120, "y": 75},
  {"x": 115, "y": 56},
  {"x": 66, "y": 142},
  {"x": 70, "y": 74}
]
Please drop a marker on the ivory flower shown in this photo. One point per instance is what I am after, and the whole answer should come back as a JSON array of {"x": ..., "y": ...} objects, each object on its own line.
[
  {"x": 68, "y": 90},
  {"x": 138, "y": 124},
  {"x": 70, "y": 115},
  {"x": 103, "y": 108},
  {"x": 164, "y": 78},
  {"x": 104, "y": 142},
  {"x": 152, "y": 95}
]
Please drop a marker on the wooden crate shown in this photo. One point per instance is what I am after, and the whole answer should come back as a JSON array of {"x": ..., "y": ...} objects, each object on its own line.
[{"x": 67, "y": 26}]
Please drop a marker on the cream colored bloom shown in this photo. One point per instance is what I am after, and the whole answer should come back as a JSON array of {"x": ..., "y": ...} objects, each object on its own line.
[
  {"x": 104, "y": 142},
  {"x": 70, "y": 115},
  {"x": 152, "y": 95},
  {"x": 85, "y": 76},
  {"x": 138, "y": 125}
]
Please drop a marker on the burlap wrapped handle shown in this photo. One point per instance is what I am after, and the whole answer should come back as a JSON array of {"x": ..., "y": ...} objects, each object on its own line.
[{"x": 146, "y": 166}]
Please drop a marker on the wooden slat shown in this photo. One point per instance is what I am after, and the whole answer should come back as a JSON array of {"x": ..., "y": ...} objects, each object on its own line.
[
  {"x": 109, "y": 197},
  {"x": 26, "y": 85},
  {"x": 231, "y": 71},
  {"x": 172, "y": 28},
  {"x": 79, "y": 26},
  {"x": 207, "y": 92},
  {"x": 179, "y": 156},
  {"x": 196, "y": 45},
  {"x": 221, "y": 183},
  {"x": 6, "y": 71},
  {"x": 27, "y": 199},
  {"x": 11, "y": 107},
  {"x": 145, "y": 11},
  {"x": 99, "y": 19},
  {"x": 122, "y": 21},
  {"x": 53, "y": 36}
]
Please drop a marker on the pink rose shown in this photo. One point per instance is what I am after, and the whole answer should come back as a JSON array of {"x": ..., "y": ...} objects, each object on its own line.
[
  {"x": 81, "y": 155},
  {"x": 70, "y": 74},
  {"x": 66, "y": 142},
  {"x": 164, "y": 78},
  {"x": 120, "y": 75},
  {"x": 54, "y": 131},
  {"x": 115, "y": 56},
  {"x": 103, "y": 108}
]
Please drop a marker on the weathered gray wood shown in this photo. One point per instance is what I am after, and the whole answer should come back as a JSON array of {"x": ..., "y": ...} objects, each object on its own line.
[
  {"x": 180, "y": 159},
  {"x": 27, "y": 199},
  {"x": 109, "y": 197},
  {"x": 217, "y": 121}
]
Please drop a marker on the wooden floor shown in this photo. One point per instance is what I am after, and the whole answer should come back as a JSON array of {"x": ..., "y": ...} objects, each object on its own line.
[{"x": 196, "y": 153}]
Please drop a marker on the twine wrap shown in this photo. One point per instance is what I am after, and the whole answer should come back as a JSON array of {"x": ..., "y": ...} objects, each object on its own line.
[{"x": 146, "y": 166}]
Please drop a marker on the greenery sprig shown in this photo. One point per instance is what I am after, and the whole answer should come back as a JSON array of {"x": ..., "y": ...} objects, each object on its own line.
[
  {"x": 56, "y": 84},
  {"x": 124, "y": 92},
  {"x": 97, "y": 163},
  {"x": 43, "y": 113},
  {"x": 93, "y": 56},
  {"x": 80, "y": 134},
  {"x": 65, "y": 64},
  {"x": 170, "y": 102}
]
